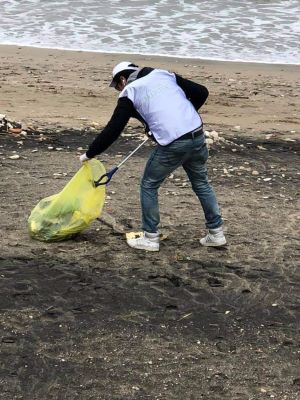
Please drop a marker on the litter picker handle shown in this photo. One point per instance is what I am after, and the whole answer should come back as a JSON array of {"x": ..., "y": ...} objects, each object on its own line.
[
  {"x": 106, "y": 177},
  {"x": 131, "y": 154}
]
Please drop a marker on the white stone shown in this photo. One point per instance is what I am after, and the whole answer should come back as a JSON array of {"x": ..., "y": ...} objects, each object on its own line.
[
  {"x": 289, "y": 140},
  {"x": 214, "y": 135}
]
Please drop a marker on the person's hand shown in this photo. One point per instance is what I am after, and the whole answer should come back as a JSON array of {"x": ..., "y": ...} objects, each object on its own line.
[{"x": 83, "y": 158}]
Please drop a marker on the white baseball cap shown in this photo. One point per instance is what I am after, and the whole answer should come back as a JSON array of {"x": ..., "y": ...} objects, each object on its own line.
[{"x": 122, "y": 66}]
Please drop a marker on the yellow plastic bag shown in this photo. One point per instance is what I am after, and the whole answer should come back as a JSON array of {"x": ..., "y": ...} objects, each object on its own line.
[{"x": 67, "y": 213}]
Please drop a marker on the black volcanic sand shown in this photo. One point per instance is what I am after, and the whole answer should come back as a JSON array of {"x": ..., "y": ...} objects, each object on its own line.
[{"x": 90, "y": 318}]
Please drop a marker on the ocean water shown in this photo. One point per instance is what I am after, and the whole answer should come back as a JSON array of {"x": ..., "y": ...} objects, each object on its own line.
[{"x": 233, "y": 30}]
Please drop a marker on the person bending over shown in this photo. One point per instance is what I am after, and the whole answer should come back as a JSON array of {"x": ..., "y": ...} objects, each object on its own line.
[{"x": 167, "y": 104}]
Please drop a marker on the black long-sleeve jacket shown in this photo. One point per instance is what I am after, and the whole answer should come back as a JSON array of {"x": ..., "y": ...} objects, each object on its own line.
[{"x": 124, "y": 110}]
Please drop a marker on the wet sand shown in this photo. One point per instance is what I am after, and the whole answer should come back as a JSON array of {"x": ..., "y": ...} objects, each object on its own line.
[{"x": 90, "y": 318}]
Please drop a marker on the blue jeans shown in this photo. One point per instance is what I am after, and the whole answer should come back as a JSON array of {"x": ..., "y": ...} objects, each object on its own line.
[{"x": 192, "y": 155}]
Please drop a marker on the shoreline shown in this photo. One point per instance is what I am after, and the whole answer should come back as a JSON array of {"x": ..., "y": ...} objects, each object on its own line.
[
  {"x": 168, "y": 56},
  {"x": 66, "y": 88},
  {"x": 156, "y": 56}
]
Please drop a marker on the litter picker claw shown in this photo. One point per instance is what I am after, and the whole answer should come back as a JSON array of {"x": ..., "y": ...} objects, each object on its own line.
[{"x": 105, "y": 179}]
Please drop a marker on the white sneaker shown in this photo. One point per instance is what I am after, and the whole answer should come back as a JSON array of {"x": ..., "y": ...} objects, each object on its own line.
[
  {"x": 214, "y": 238},
  {"x": 144, "y": 241}
]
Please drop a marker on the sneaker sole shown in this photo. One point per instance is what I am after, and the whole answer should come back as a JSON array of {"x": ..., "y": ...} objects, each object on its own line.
[{"x": 213, "y": 244}]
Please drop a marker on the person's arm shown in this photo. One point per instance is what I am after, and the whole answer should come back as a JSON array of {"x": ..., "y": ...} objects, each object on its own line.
[
  {"x": 196, "y": 93},
  {"x": 113, "y": 129}
]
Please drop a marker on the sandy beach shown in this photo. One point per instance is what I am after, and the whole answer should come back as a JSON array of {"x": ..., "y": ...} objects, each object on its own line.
[{"x": 91, "y": 318}]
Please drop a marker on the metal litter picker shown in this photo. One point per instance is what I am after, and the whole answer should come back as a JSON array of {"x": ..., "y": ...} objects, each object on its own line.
[{"x": 105, "y": 178}]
